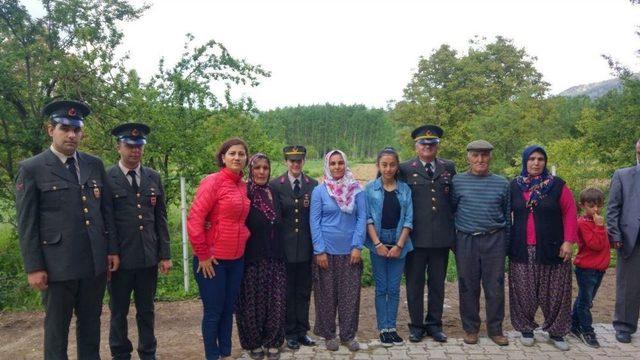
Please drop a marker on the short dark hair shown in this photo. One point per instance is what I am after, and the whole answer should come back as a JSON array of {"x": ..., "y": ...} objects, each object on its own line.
[
  {"x": 592, "y": 195},
  {"x": 225, "y": 147}
]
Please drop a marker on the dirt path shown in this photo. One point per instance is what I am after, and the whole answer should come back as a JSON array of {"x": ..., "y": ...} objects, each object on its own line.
[
  {"x": 364, "y": 172},
  {"x": 178, "y": 325}
]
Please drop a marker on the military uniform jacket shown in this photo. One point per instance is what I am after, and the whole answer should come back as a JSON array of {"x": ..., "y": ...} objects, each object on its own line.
[
  {"x": 433, "y": 222},
  {"x": 140, "y": 218},
  {"x": 295, "y": 229},
  {"x": 65, "y": 228}
]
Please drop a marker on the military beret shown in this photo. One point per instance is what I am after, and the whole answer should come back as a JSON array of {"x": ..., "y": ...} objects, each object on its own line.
[{"x": 479, "y": 145}]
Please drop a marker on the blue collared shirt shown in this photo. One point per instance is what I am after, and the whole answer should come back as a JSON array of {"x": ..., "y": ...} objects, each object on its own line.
[
  {"x": 332, "y": 231},
  {"x": 375, "y": 199}
]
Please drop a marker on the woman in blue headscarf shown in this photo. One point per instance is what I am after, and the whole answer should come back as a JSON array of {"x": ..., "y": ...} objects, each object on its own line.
[{"x": 542, "y": 235}]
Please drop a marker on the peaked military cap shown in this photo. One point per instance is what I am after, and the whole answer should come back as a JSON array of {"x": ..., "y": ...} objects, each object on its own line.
[
  {"x": 131, "y": 133},
  {"x": 66, "y": 112},
  {"x": 294, "y": 152},
  {"x": 427, "y": 134}
]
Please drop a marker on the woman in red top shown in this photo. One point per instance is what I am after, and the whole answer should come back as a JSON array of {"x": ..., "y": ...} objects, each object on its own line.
[
  {"x": 221, "y": 201},
  {"x": 543, "y": 232}
]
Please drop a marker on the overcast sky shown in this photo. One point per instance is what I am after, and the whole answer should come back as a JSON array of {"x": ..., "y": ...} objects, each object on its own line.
[{"x": 366, "y": 51}]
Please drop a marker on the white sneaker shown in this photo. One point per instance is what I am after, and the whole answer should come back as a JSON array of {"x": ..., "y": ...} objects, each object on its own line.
[
  {"x": 527, "y": 341},
  {"x": 559, "y": 343}
]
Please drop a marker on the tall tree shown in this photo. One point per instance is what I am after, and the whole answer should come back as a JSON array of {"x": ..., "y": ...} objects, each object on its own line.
[
  {"x": 70, "y": 51},
  {"x": 359, "y": 131},
  {"x": 450, "y": 89}
]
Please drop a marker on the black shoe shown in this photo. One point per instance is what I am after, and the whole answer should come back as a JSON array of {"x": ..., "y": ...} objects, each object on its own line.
[
  {"x": 293, "y": 344},
  {"x": 416, "y": 335},
  {"x": 385, "y": 339},
  {"x": 437, "y": 335},
  {"x": 395, "y": 338},
  {"x": 306, "y": 340},
  {"x": 590, "y": 340},
  {"x": 623, "y": 337},
  {"x": 576, "y": 333}
]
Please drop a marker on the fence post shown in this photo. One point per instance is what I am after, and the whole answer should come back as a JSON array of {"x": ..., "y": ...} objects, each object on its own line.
[{"x": 185, "y": 252}]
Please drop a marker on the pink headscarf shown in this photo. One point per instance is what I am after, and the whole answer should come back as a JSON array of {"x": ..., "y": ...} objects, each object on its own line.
[{"x": 343, "y": 190}]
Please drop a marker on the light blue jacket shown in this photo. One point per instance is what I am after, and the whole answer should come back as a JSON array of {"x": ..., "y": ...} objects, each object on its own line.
[
  {"x": 375, "y": 198},
  {"x": 332, "y": 231}
]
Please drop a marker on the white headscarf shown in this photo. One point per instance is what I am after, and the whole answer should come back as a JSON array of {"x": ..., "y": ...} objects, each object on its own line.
[{"x": 343, "y": 190}]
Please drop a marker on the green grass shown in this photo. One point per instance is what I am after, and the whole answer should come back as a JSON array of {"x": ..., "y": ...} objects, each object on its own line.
[{"x": 15, "y": 293}]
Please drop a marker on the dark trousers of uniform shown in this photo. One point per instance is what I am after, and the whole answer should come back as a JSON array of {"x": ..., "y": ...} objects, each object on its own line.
[
  {"x": 625, "y": 317},
  {"x": 61, "y": 300},
  {"x": 298, "y": 299},
  {"x": 337, "y": 291},
  {"x": 533, "y": 285},
  {"x": 480, "y": 261},
  {"x": 434, "y": 262},
  {"x": 142, "y": 283}
]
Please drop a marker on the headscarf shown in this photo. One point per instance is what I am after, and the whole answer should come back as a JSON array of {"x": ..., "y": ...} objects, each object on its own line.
[
  {"x": 261, "y": 195},
  {"x": 343, "y": 190},
  {"x": 540, "y": 185}
]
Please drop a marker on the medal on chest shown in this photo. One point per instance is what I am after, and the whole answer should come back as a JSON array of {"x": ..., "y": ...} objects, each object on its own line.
[
  {"x": 96, "y": 190},
  {"x": 153, "y": 198}
]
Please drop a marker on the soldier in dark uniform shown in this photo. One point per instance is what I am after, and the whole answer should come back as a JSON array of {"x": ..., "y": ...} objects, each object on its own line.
[
  {"x": 433, "y": 232},
  {"x": 141, "y": 221},
  {"x": 293, "y": 192},
  {"x": 67, "y": 235}
]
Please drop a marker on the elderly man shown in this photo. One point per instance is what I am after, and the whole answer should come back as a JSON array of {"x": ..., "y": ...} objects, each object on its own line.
[
  {"x": 623, "y": 223},
  {"x": 482, "y": 221},
  {"x": 433, "y": 232}
]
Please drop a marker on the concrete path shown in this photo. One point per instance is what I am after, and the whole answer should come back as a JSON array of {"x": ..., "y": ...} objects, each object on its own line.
[{"x": 455, "y": 349}]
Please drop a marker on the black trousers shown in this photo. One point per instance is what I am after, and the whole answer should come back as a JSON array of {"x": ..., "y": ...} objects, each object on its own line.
[
  {"x": 143, "y": 283},
  {"x": 298, "y": 299},
  {"x": 434, "y": 262},
  {"x": 60, "y": 301}
]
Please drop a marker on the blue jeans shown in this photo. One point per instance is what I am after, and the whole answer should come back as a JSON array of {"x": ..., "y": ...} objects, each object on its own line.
[
  {"x": 387, "y": 273},
  {"x": 219, "y": 296},
  {"x": 588, "y": 283}
]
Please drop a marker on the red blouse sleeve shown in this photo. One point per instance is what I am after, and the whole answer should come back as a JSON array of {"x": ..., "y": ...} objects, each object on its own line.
[{"x": 569, "y": 215}]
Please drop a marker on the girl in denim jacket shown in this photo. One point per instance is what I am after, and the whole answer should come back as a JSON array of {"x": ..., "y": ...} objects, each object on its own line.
[{"x": 389, "y": 221}]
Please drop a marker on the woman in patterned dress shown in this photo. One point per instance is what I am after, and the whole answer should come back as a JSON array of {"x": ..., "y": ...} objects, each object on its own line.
[
  {"x": 260, "y": 313},
  {"x": 542, "y": 235},
  {"x": 338, "y": 221}
]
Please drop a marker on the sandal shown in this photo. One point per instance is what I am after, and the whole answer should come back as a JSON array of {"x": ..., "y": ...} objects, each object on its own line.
[{"x": 273, "y": 353}]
